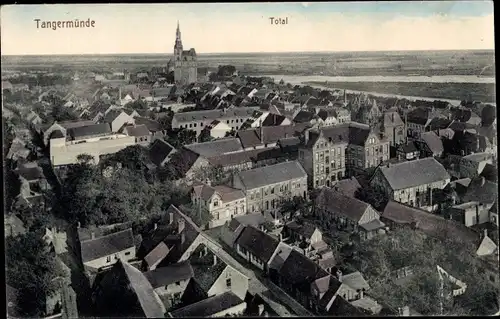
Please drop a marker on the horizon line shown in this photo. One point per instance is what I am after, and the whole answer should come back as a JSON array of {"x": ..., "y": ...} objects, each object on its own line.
[{"x": 258, "y": 52}]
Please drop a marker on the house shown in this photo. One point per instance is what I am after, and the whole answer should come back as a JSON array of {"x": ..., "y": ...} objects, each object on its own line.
[
  {"x": 430, "y": 144},
  {"x": 335, "y": 209},
  {"x": 411, "y": 182},
  {"x": 418, "y": 120},
  {"x": 223, "y": 305},
  {"x": 212, "y": 276},
  {"x": 266, "y": 186},
  {"x": 13, "y": 226},
  {"x": 323, "y": 155},
  {"x": 480, "y": 190},
  {"x": 470, "y": 165},
  {"x": 170, "y": 282},
  {"x": 397, "y": 214},
  {"x": 215, "y": 148},
  {"x": 244, "y": 160},
  {"x": 366, "y": 149},
  {"x": 170, "y": 240},
  {"x": 255, "y": 246},
  {"x": 160, "y": 152},
  {"x": 153, "y": 126},
  {"x": 393, "y": 127},
  {"x": 471, "y": 213},
  {"x": 33, "y": 118},
  {"x": 117, "y": 119},
  {"x": 328, "y": 117},
  {"x": 60, "y": 128},
  {"x": 18, "y": 150},
  {"x": 216, "y": 129},
  {"x": 92, "y": 140},
  {"x": 275, "y": 120},
  {"x": 126, "y": 286},
  {"x": 104, "y": 251},
  {"x": 407, "y": 151},
  {"x": 268, "y": 136},
  {"x": 222, "y": 202},
  {"x": 464, "y": 115},
  {"x": 197, "y": 120},
  {"x": 140, "y": 132}
]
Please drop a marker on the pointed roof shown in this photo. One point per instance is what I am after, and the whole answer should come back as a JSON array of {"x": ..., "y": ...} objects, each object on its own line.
[{"x": 487, "y": 247}]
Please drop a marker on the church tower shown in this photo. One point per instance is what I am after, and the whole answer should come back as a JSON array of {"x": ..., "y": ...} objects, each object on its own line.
[
  {"x": 178, "y": 44},
  {"x": 185, "y": 62}
]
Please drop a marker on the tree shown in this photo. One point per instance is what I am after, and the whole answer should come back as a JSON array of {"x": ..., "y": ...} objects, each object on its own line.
[
  {"x": 375, "y": 197},
  {"x": 488, "y": 115},
  {"x": 226, "y": 70},
  {"x": 291, "y": 205},
  {"x": 133, "y": 157},
  {"x": 31, "y": 268},
  {"x": 137, "y": 105},
  {"x": 85, "y": 159},
  {"x": 180, "y": 137},
  {"x": 213, "y": 77},
  {"x": 215, "y": 174},
  {"x": 231, "y": 133},
  {"x": 199, "y": 214},
  {"x": 205, "y": 136},
  {"x": 60, "y": 113}
]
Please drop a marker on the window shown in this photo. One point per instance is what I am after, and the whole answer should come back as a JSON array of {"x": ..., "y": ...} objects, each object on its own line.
[
  {"x": 216, "y": 216},
  {"x": 178, "y": 283},
  {"x": 267, "y": 204},
  {"x": 334, "y": 178},
  {"x": 195, "y": 124},
  {"x": 227, "y": 121},
  {"x": 127, "y": 253},
  {"x": 327, "y": 170},
  {"x": 333, "y": 164},
  {"x": 201, "y": 124},
  {"x": 216, "y": 202},
  {"x": 317, "y": 156},
  {"x": 228, "y": 282},
  {"x": 108, "y": 259},
  {"x": 327, "y": 159},
  {"x": 190, "y": 125},
  {"x": 272, "y": 190}
]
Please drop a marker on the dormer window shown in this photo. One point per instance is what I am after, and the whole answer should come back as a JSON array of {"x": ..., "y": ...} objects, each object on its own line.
[{"x": 216, "y": 202}]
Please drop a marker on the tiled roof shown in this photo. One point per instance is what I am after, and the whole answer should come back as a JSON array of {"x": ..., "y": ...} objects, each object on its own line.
[
  {"x": 271, "y": 174},
  {"x": 481, "y": 190},
  {"x": 138, "y": 130},
  {"x": 89, "y": 130},
  {"x": 159, "y": 150},
  {"x": 215, "y": 148},
  {"x": 73, "y": 124},
  {"x": 151, "y": 305},
  {"x": 209, "y": 306},
  {"x": 299, "y": 269},
  {"x": 348, "y": 187},
  {"x": 304, "y": 117},
  {"x": 338, "y": 204},
  {"x": 355, "y": 280},
  {"x": 271, "y": 134},
  {"x": 198, "y": 116},
  {"x": 414, "y": 173},
  {"x": 112, "y": 115},
  {"x": 428, "y": 223},
  {"x": 433, "y": 141},
  {"x": 107, "y": 245},
  {"x": 153, "y": 126},
  {"x": 252, "y": 156},
  {"x": 257, "y": 242},
  {"x": 157, "y": 254},
  {"x": 255, "y": 220},
  {"x": 164, "y": 276}
]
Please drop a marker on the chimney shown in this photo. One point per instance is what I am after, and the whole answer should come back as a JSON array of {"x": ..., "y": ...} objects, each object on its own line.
[
  {"x": 155, "y": 226},
  {"x": 92, "y": 235},
  {"x": 392, "y": 117},
  {"x": 261, "y": 133},
  {"x": 215, "y": 260},
  {"x": 306, "y": 136},
  {"x": 339, "y": 275},
  {"x": 171, "y": 220},
  {"x": 181, "y": 224},
  {"x": 120, "y": 95},
  {"x": 485, "y": 233},
  {"x": 361, "y": 294},
  {"x": 280, "y": 236},
  {"x": 78, "y": 225},
  {"x": 183, "y": 238}
]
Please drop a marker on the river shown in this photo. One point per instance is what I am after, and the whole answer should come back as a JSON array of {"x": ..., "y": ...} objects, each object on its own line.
[
  {"x": 297, "y": 79},
  {"x": 300, "y": 80}
]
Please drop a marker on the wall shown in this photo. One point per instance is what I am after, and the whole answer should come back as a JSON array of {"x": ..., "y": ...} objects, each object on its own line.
[
  {"x": 64, "y": 155},
  {"x": 249, "y": 257},
  {"x": 121, "y": 120},
  {"x": 101, "y": 262},
  {"x": 172, "y": 288},
  {"x": 369, "y": 215},
  {"x": 236, "y": 310},
  {"x": 239, "y": 283},
  {"x": 226, "y": 210}
]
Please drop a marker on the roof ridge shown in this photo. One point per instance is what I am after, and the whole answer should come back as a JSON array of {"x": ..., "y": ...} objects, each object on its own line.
[{"x": 110, "y": 234}]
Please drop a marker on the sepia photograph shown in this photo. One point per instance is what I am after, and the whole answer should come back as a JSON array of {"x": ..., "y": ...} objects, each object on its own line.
[{"x": 265, "y": 159}]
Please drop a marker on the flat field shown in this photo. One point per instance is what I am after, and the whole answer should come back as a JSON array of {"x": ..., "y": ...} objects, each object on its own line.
[
  {"x": 453, "y": 91},
  {"x": 426, "y": 63}
]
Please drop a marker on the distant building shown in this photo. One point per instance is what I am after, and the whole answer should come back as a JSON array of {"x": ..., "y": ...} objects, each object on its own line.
[{"x": 184, "y": 63}]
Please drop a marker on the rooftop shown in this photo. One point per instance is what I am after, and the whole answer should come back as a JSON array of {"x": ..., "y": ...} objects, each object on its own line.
[{"x": 271, "y": 174}]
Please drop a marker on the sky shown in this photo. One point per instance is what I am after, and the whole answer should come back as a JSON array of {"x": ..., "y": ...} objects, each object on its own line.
[{"x": 246, "y": 27}]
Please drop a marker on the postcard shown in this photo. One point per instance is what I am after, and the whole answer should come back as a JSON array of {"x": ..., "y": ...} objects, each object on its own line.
[{"x": 250, "y": 159}]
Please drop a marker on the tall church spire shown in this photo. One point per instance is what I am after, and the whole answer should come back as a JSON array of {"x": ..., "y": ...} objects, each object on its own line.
[{"x": 178, "y": 43}]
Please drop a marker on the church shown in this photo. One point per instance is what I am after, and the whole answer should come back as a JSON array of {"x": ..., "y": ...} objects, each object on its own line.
[{"x": 184, "y": 63}]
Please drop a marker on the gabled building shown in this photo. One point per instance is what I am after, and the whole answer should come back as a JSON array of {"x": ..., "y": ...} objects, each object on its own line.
[
  {"x": 103, "y": 251},
  {"x": 266, "y": 186},
  {"x": 255, "y": 246},
  {"x": 125, "y": 291},
  {"x": 393, "y": 127},
  {"x": 222, "y": 202},
  {"x": 335, "y": 209},
  {"x": 411, "y": 182}
]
